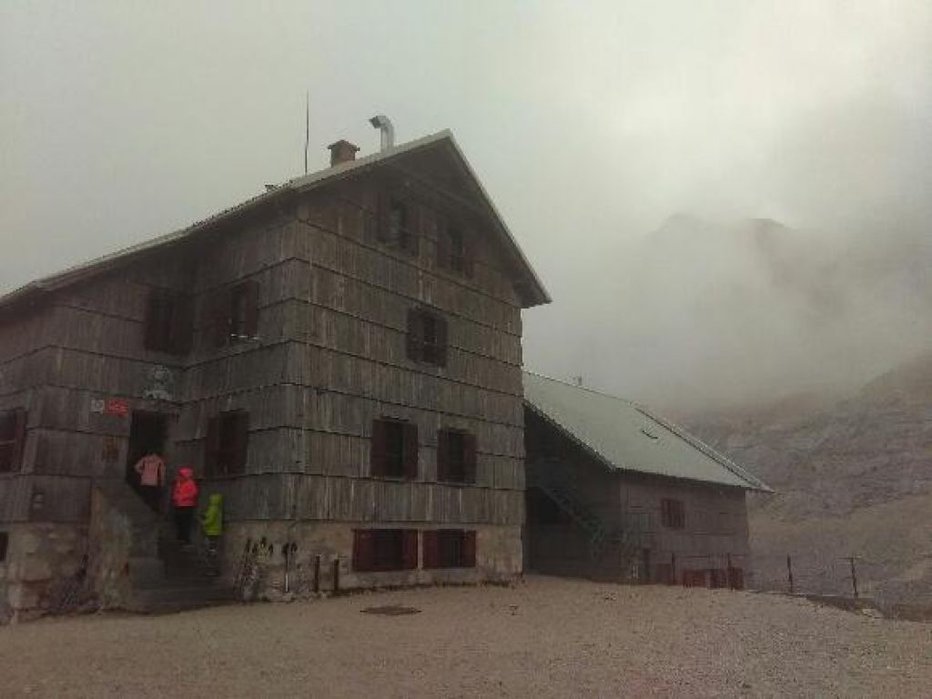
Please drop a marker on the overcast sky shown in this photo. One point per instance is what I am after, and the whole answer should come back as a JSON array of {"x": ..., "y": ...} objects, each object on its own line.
[{"x": 590, "y": 124}]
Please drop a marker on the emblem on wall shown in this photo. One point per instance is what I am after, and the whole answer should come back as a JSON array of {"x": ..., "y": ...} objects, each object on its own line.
[{"x": 161, "y": 383}]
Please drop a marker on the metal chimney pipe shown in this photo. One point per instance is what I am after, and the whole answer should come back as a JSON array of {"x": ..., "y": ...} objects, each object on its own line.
[{"x": 384, "y": 124}]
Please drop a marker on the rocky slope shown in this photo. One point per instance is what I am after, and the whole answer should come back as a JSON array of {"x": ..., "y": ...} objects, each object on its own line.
[{"x": 852, "y": 478}]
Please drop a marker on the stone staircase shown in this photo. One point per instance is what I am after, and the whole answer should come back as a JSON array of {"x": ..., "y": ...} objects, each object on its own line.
[{"x": 163, "y": 576}]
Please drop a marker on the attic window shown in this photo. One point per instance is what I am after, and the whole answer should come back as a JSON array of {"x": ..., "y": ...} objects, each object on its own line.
[
  {"x": 453, "y": 251},
  {"x": 648, "y": 433},
  {"x": 397, "y": 223}
]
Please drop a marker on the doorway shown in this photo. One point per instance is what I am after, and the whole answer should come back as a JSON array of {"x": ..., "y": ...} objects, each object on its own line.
[{"x": 147, "y": 434}]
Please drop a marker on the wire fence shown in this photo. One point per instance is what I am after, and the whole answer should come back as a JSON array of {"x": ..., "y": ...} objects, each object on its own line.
[{"x": 841, "y": 575}]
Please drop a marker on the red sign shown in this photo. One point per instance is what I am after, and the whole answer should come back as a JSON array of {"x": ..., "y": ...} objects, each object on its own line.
[{"x": 117, "y": 406}]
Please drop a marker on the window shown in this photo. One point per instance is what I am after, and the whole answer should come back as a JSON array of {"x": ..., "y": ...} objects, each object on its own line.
[
  {"x": 449, "y": 548},
  {"x": 397, "y": 224},
  {"x": 227, "y": 444},
  {"x": 672, "y": 515},
  {"x": 393, "y": 453},
  {"x": 456, "y": 456},
  {"x": 12, "y": 439},
  {"x": 384, "y": 549},
  {"x": 235, "y": 313},
  {"x": 427, "y": 337},
  {"x": 168, "y": 325},
  {"x": 453, "y": 253},
  {"x": 4, "y": 543}
]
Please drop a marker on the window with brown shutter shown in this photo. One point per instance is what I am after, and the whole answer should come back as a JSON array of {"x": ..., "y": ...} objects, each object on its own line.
[
  {"x": 427, "y": 337},
  {"x": 672, "y": 513},
  {"x": 234, "y": 313},
  {"x": 227, "y": 444},
  {"x": 4, "y": 544},
  {"x": 377, "y": 550},
  {"x": 454, "y": 251},
  {"x": 456, "y": 456},
  {"x": 394, "y": 449},
  {"x": 12, "y": 439},
  {"x": 449, "y": 548},
  {"x": 168, "y": 325},
  {"x": 397, "y": 223}
]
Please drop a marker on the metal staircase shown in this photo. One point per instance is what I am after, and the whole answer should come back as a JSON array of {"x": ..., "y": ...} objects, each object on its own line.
[{"x": 554, "y": 480}]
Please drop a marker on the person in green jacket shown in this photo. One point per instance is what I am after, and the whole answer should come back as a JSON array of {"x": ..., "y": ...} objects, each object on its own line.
[{"x": 212, "y": 521}]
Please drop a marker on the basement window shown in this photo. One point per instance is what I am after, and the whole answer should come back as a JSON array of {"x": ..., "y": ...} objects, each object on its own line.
[
  {"x": 427, "y": 337},
  {"x": 376, "y": 550},
  {"x": 12, "y": 439},
  {"x": 169, "y": 323},
  {"x": 449, "y": 548},
  {"x": 393, "y": 452},
  {"x": 456, "y": 456},
  {"x": 672, "y": 513},
  {"x": 227, "y": 444}
]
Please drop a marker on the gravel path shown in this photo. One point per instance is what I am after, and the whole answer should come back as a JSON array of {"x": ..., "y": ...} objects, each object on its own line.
[{"x": 544, "y": 637}]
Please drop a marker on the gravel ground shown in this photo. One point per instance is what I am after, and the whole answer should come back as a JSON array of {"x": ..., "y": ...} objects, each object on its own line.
[{"x": 544, "y": 637}]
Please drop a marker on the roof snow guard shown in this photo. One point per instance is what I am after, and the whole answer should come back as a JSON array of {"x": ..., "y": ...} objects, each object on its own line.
[
  {"x": 529, "y": 286},
  {"x": 626, "y": 437}
]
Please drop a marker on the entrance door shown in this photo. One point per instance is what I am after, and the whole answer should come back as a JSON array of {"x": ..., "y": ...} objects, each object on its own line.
[{"x": 147, "y": 435}]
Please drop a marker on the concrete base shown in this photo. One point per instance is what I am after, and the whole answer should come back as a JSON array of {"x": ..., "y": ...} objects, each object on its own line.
[{"x": 498, "y": 558}]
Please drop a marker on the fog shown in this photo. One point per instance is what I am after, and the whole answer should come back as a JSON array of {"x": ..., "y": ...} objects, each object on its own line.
[{"x": 630, "y": 146}]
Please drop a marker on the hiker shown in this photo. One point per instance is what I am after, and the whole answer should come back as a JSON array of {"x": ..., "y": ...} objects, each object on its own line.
[
  {"x": 151, "y": 471},
  {"x": 184, "y": 500},
  {"x": 212, "y": 521}
]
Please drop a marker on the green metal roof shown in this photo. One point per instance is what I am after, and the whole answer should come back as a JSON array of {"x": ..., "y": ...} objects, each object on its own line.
[{"x": 627, "y": 437}]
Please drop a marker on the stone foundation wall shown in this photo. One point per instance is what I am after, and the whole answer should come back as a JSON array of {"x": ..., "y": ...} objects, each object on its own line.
[
  {"x": 39, "y": 557},
  {"x": 498, "y": 558}
]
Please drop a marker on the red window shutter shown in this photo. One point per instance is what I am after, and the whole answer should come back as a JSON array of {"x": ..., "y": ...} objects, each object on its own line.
[
  {"x": 469, "y": 259},
  {"x": 440, "y": 353},
  {"x": 469, "y": 550},
  {"x": 151, "y": 340},
  {"x": 19, "y": 438},
  {"x": 363, "y": 549},
  {"x": 221, "y": 318},
  {"x": 412, "y": 239},
  {"x": 378, "y": 448},
  {"x": 251, "y": 299},
  {"x": 415, "y": 338},
  {"x": 409, "y": 549},
  {"x": 182, "y": 325},
  {"x": 443, "y": 247},
  {"x": 212, "y": 446},
  {"x": 410, "y": 450},
  {"x": 431, "y": 549},
  {"x": 443, "y": 451},
  {"x": 383, "y": 213},
  {"x": 241, "y": 447},
  {"x": 469, "y": 458}
]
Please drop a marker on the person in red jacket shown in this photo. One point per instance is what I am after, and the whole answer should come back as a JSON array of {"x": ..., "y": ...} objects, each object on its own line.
[{"x": 184, "y": 500}]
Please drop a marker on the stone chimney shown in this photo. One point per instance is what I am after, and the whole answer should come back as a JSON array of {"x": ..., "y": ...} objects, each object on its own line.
[{"x": 342, "y": 152}]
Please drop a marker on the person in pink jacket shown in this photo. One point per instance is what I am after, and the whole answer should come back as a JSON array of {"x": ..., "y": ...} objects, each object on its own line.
[{"x": 151, "y": 470}]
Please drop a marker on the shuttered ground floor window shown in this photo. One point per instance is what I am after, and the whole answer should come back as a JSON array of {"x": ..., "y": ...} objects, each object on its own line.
[
  {"x": 384, "y": 549},
  {"x": 449, "y": 548}
]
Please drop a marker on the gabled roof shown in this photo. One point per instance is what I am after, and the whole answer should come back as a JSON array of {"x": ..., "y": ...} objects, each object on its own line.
[
  {"x": 626, "y": 437},
  {"x": 531, "y": 289}
]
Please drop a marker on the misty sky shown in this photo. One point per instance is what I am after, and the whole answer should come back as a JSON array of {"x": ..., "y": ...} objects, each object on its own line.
[{"x": 590, "y": 127}]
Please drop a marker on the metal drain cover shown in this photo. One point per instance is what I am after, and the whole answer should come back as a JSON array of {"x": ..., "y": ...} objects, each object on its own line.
[{"x": 391, "y": 610}]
